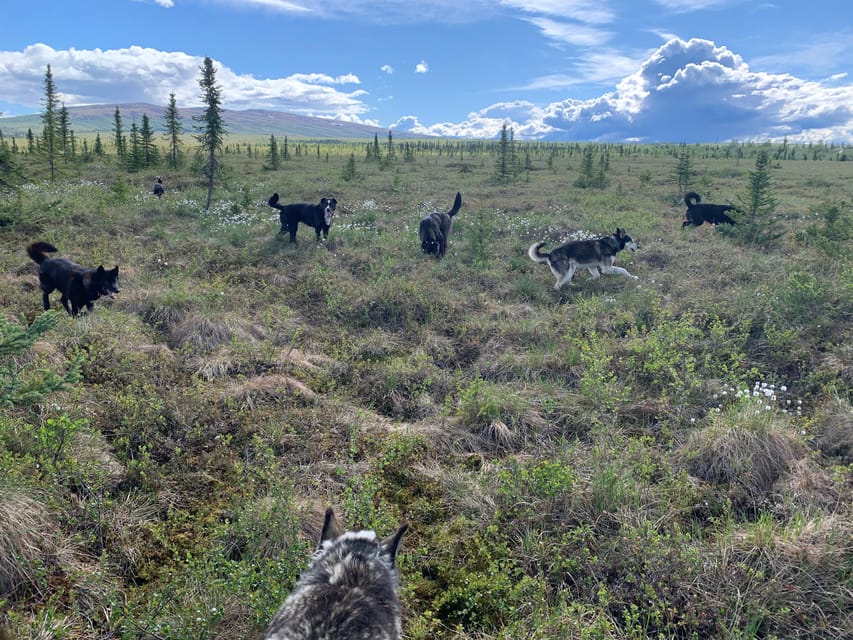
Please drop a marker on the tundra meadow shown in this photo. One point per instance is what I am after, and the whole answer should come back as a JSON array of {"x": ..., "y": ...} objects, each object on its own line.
[{"x": 666, "y": 457}]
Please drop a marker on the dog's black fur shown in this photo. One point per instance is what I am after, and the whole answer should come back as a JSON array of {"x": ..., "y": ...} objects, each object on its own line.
[
  {"x": 80, "y": 286},
  {"x": 699, "y": 212},
  {"x": 158, "y": 189},
  {"x": 434, "y": 229},
  {"x": 318, "y": 216}
]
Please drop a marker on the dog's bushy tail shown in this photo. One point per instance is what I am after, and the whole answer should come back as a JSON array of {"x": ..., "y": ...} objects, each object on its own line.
[
  {"x": 37, "y": 250},
  {"x": 536, "y": 255},
  {"x": 273, "y": 202},
  {"x": 691, "y": 198},
  {"x": 457, "y": 204}
]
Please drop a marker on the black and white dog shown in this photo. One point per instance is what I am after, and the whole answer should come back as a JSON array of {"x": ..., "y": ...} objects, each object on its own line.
[
  {"x": 349, "y": 591},
  {"x": 434, "y": 229},
  {"x": 591, "y": 255},
  {"x": 318, "y": 216},
  {"x": 699, "y": 212}
]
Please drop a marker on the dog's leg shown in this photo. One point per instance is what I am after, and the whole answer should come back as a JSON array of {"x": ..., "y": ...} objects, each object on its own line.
[
  {"x": 64, "y": 301},
  {"x": 620, "y": 271},
  {"x": 567, "y": 277},
  {"x": 45, "y": 300},
  {"x": 593, "y": 271}
]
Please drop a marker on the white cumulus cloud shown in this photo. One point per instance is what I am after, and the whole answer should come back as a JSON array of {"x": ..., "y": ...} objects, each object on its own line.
[
  {"x": 685, "y": 91},
  {"x": 138, "y": 74},
  {"x": 421, "y": 67}
]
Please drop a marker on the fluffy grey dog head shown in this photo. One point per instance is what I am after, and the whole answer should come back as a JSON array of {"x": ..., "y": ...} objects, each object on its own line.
[{"x": 348, "y": 592}]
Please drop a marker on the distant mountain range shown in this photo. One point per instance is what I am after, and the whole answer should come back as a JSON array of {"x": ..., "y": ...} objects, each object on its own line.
[{"x": 101, "y": 119}]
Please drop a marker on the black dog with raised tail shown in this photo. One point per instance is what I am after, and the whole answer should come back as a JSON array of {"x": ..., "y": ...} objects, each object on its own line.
[
  {"x": 318, "y": 216},
  {"x": 699, "y": 212},
  {"x": 80, "y": 286}
]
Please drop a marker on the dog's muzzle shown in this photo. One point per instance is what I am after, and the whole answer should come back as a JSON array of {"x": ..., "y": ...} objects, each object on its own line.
[{"x": 328, "y": 214}]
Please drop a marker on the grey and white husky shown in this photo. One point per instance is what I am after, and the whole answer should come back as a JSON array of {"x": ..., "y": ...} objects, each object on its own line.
[
  {"x": 348, "y": 592},
  {"x": 591, "y": 255}
]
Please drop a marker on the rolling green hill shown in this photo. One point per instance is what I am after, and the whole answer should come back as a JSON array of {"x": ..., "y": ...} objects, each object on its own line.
[{"x": 100, "y": 119}]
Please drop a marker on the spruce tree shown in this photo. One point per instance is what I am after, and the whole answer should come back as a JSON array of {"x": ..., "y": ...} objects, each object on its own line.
[
  {"x": 586, "y": 176},
  {"x": 10, "y": 174},
  {"x": 50, "y": 122},
  {"x": 118, "y": 134},
  {"x": 211, "y": 127},
  {"x": 349, "y": 172},
  {"x": 684, "y": 169},
  {"x": 22, "y": 385},
  {"x": 133, "y": 155},
  {"x": 64, "y": 133},
  {"x": 146, "y": 141},
  {"x": 275, "y": 159},
  {"x": 756, "y": 205},
  {"x": 374, "y": 151},
  {"x": 503, "y": 165},
  {"x": 390, "y": 152},
  {"x": 174, "y": 128}
]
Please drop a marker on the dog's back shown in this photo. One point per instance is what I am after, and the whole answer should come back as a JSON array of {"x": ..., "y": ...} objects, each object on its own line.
[{"x": 348, "y": 592}]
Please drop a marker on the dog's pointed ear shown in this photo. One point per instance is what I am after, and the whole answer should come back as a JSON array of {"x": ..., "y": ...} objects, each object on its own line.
[
  {"x": 391, "y": 544},
  {"x": 101, "y": 270},
  {"x": 332, "y": 528}
]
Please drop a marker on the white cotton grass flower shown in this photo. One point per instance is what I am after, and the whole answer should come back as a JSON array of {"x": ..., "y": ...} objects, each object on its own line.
[{"x": 761, "y": 398}]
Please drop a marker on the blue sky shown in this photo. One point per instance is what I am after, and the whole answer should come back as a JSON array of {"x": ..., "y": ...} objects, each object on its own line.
[{"x": 645, "y": 70}]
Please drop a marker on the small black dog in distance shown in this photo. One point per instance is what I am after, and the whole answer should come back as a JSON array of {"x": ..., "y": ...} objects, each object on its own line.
[{"x": 318, "y": 216}]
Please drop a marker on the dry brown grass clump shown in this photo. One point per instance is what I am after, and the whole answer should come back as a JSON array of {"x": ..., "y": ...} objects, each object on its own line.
[
  {"x": 273, "y": 388},
  {"x": 835, "y": 431},
  {"x": 749, "y": 459},
  {"x": 93, "y": 455},
  {"x": 204, "y": 334},
  {"x": 29, "y": 541},
  {"x": 807, "y": 485}
]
